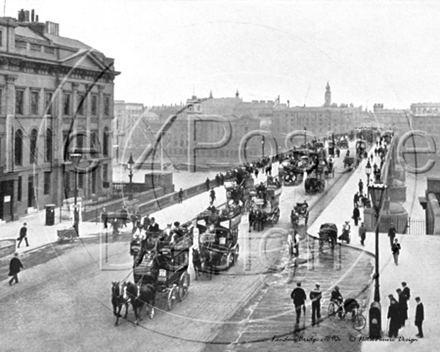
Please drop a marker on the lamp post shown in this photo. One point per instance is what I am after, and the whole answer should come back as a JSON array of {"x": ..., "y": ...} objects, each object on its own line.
[
  {"x": 262, "y": 145},
  {"x": 130, "y": 164},
  {"x": 75, "y": 157},
  {"x": 368, "y": 172},
  {"x": 305, "y": 137},
  {"x": 377, "y": 192}
]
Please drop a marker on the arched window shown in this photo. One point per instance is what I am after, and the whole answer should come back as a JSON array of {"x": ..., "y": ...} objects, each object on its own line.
[
  {"x": 48, "y": 146},
  {"x": 33, "y": 146},
  {"x": 18, "y": 151},
  {"x": 105, "y": 142}
]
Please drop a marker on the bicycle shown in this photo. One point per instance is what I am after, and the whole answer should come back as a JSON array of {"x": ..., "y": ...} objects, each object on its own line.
[{"x": 357, "y": 318}]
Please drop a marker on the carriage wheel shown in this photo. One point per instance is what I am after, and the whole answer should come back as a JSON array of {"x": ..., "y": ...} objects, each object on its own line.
[
  {"x": 184, "y": 283},
  {"x": 172, "y": 298},
  {"x": 230, "y": 260},
  {"x": 359, "y": 322}
]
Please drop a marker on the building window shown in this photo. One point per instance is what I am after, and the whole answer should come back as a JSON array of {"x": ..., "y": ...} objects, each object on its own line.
[
  {"x": 33, "y": 146},
  {"x": 48, "y": 103},
  {"x": 93, "y": 145},
  {"x": 80, "y": 181},
  {"x": 105, "y": 142},
  {"x": 19, "y": 102},
  {"x": 94, "y": 105},
  {"x": 81, "y": 102},
  {"x": 47, "y": 183},
  {"x": 107, "y": 106},
  {"x": 48, "y": 146},
  {"x": 18, "y": 150},
  {"x": 105, "y": 172},
  {"x": 35, "y": 99},
  {"x": 66, "y": 104},
  {"x": 94, "y": 181},
  {"x": 19, "y": 189}
]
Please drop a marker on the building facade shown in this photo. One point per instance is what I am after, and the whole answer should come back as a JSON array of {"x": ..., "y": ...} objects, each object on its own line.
[{"x": 56, "y": 97}]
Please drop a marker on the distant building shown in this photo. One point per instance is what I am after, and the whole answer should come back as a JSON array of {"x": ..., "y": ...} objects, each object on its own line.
[
  {"x": 56, "y": 95},
  {"x": 275, "y": 118},
  {"x": 396, "y": 119}
]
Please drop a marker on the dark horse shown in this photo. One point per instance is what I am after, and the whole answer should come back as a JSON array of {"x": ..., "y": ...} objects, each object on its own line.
[
  {"x": 141, "y": 294},
  {"x": 119, "y": 299}
]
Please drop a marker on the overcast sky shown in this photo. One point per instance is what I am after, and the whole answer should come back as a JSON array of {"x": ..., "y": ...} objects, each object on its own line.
[{"x": 371, "y": 52}]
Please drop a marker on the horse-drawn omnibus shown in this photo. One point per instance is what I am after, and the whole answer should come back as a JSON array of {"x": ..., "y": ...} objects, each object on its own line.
[
  {"x": 215, "y": 235},
  {"x": 162, "y": 261}
]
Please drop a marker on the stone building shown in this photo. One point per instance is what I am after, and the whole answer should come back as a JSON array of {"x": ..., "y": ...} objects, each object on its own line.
[{"x": 56, "y": 95}]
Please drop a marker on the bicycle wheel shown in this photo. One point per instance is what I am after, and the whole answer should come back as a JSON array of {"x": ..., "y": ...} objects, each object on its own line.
[
  {"x": 331, "y": 310},
  {"x": 359, "y": 322}
]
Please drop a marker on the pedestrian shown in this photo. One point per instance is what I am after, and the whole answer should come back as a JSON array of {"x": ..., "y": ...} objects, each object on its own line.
[
  {"x": 256, "y": 173},
  {"x": 217, "y": 180},
  {"x": 362, "y": 233},
  {"x": 181, "y": 195},
  {"x": 403, "y": 306},
  {"x": 104, "y": 217},
  {"x": 356, "y": 215},
  {"x": 392, "y": 234},
  {"x": 361, "y": 187},
  {"x": 14, "y": 268},
  {"x": 207, "y": 184},
  {"x": 406, "y": 290},
  {"x": 420, "y": 316},
  {"x": 394, "y": 317},
  {"x": 222, "y": 178},
  {"x": 212, "y": 196},
  {"x": 356, "y": 199},
  {"x": 124, "y": 215},
  {"x": 299, "y": 297},
  {"x": 396, "y": 251},
  {"x": 23, "y": 236},
  {"x": 315, "y": 296}
]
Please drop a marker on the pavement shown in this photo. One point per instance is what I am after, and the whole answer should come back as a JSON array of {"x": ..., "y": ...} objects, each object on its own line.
[{"x": 417, "y": 266}]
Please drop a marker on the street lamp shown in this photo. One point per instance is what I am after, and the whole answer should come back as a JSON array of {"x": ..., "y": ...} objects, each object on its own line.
[
  {"x": 377, "y": 192},
  {"x": 262, "y": 145},
  {"x": 305, "y": 137},
  {"x": 368, "y": 172},
  {"x": 75, "y": 157},
  {"x": 130, "y": 164}
]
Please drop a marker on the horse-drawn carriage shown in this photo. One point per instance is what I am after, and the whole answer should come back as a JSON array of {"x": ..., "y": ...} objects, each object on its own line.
[
  {"x": 162, "y": 262},
  {"x": 314, "y": 184},
  {"x": 238, "y": 194},
  {"x": 216, "y": 241},
  {"x": 361, "y": 148},
  {"x": 265, "y": 209},
  {"x": 290, "y": 172},
  {"x": 299, "y": 212},
  {"x": 328, "y": 233}
]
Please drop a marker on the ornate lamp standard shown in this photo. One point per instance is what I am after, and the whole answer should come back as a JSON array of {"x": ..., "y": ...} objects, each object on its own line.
[
  {"x": 263, "y": 140},
  {"x": 377, "y": 192},
  {"x": 368, "y": 172},
  {"x": 76, "y": 158},
  {"x": 130, "y": 164}
]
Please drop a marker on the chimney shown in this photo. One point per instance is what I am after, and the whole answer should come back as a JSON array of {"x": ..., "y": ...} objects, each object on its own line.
[
  {"x": 32, "y": 15},
  {"x": 36, "y": 18},
  {"x": 26, "y": 16},
  {"x": 52, "y": 28},
  {"x": 20, "y": 16},
  {"x": 288, "y": 103}
]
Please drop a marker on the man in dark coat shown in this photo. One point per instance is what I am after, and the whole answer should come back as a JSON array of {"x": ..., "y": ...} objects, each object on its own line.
[
  {"x": 104, "y": 217},
  {"x": 315, "y": 296},
  {"x": 361, "y": 187},
  {"x": 362, "y": 233},
  {"x": 420, "y": 316},
  {"x": 356, "y": 215},
  {"x": 14, "y": 268},
  {"x": 154, "y": 227},
  {"x": 394, "y": 316},
  {"x": 299, "y": 297},
  {"x": 406, "y": 290},
  {"x": 356, "y": 199},
  {"x": 403, "y": 307},
  {"x": 207, "y": 183},
  {"x": 392, "y": 234},
  {"x": 180, "y": 195},
  {"x": 396, "y": 251},
  {"x": 23, "y": 236}
]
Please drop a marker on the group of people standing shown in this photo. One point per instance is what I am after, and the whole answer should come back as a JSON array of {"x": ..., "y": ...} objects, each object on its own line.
[
  {"x": 398, "y": 312},
  {"x": 299, "y": 298}
]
